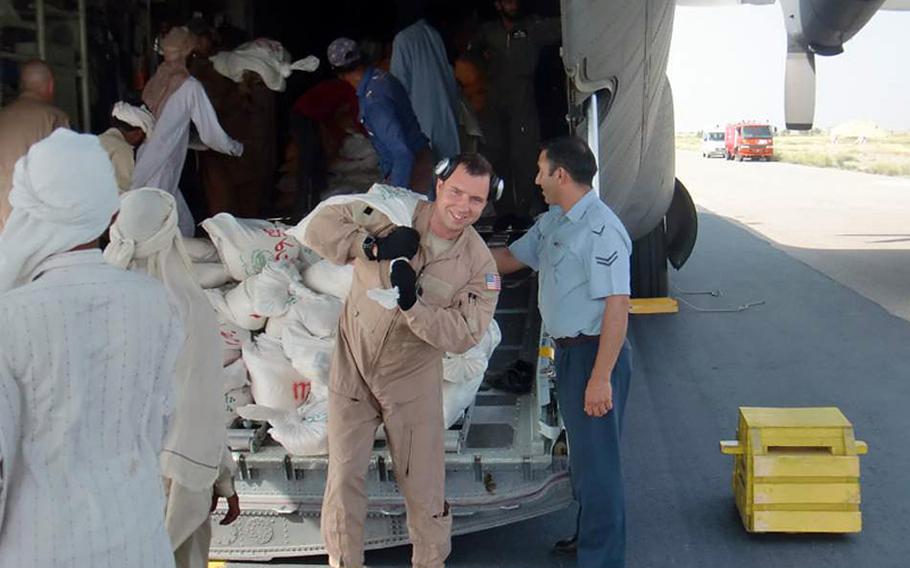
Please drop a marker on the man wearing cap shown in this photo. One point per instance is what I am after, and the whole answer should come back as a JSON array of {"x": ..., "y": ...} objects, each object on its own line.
[
  {"x": 582, "y": 252},
  {"x": 87, "y": 359},
  {"x": 385, "y": 111},
  {"x": 387, "y": 365},
  {"x": 28, "y": 119},
  {"x": 129, "y": 127}
]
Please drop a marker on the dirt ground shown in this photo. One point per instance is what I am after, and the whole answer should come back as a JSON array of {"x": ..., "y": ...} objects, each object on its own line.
[{"x": 886, "y": 156}]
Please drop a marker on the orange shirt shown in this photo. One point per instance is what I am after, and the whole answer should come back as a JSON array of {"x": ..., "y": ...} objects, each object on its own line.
[{"x": 472, "y": 81}]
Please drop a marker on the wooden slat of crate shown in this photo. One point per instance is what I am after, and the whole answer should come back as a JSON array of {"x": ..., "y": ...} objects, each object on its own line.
[
  {"x": 807, "y": 521},
  {"x": 823, "y": 417},
  {"x": 821, "y": 440},
  {"x": 802, "y": 493},
  {"x": 809, "y": 465}
]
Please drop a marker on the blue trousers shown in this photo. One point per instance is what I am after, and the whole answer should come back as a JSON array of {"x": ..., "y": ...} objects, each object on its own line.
[{"x": 594, "y": 454}]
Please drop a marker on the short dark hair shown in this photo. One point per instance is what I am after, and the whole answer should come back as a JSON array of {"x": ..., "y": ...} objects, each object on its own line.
[
  {"x": 573, "y": 155},
  {"x": 475, "y": 164}
]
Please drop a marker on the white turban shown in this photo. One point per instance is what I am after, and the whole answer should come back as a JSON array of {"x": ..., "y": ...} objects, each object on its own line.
[
  {"x": 64, "y": 195},
  {"x": 146, "y": 238},
  {"x": 134, "y": 116}
]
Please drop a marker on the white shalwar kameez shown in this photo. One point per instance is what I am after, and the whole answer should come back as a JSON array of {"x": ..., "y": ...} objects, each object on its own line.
[
  {"x": 92, "y": 350},
  {"x": 159, "y": 161}
]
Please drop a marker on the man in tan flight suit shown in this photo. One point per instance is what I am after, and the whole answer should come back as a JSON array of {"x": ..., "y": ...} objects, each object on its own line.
[
  {"x": 28, "y": 119},
  {"x": 387, "y": 366}
]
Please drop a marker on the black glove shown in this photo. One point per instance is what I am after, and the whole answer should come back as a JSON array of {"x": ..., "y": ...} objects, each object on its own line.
[
  {"x": 405, "y": 278},
  {"x": 401, "y": 242}
]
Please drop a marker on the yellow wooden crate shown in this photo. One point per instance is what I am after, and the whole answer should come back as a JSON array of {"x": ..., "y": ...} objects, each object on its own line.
[
  {"x": 796, "y": 470},
  {"x": 643, "y": 306}
]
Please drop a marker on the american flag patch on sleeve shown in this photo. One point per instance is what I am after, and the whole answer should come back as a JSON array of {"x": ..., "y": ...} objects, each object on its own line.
[{"x": 493, "y": 281}]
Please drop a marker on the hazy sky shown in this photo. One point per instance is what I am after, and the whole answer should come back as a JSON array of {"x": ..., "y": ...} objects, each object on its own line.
[{"x": 727, "y": 64}]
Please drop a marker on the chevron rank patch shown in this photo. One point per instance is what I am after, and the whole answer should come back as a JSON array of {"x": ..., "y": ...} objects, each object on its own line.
[
  {"x": 493, "y": 281},
  {"x": 606, "y": 260}
]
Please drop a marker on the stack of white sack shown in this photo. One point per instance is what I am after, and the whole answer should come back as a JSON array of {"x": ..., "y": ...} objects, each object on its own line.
[
  {"x": 328, "y": 278},
  {"x": 308, "y": 333},
  {"x": 289, "y": 371},
  {"x": 237, "y": 391},
  {"x": 263, "y": 295},
  {"x": 265, "y": 57},
  {"x": 232, "y": 335},
  {"x": 288, "y": 365},
  {"x": 207, "y": 266},
  {"x": 355, "y": 168},
  {"x": 274, "y": 382},
  {"x": 246, "y": 246},
  {"x": 302, "y": 431},
  {"x": 462, "y": 374}
]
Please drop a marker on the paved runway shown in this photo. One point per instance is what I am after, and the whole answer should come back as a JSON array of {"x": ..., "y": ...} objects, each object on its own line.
[
  {"x": 852, "y": 226},
  {"x": 813, "y": 342}
]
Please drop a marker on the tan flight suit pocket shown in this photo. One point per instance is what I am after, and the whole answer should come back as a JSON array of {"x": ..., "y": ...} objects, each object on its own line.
[{"x": 435, "y": 291}]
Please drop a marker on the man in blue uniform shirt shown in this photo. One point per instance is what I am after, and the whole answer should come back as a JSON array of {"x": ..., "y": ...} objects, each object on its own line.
[
  {"x": 581, "y": 250},
  {"x": 386, "y": 113}
]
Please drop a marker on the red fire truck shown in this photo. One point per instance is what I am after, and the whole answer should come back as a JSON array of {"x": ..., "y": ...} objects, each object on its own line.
[{"x": 752, "y": 140}]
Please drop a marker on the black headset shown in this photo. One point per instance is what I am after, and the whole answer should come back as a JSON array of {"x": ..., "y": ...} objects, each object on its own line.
[{"x": 446, "y": 166}]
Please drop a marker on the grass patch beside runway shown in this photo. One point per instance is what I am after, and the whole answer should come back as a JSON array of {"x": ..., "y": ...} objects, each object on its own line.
[{"x": 888, "y": 156}]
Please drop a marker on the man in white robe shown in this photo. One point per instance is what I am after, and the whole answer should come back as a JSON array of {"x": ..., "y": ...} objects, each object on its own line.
[
  {"x": 176, "y": 100},
  {"x": 87, "y": 359},
  {"x": 195, "y": 462}
]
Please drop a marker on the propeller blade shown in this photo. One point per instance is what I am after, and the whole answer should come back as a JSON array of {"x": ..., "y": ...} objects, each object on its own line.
[{"x": 799, "y": 89}]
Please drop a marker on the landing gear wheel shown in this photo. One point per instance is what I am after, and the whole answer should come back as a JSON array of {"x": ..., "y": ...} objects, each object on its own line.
[{"x": 649, "y": 265}]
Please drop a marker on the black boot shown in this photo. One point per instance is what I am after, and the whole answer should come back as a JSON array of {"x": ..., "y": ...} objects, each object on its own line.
[{"x": 566, "y": 545}]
